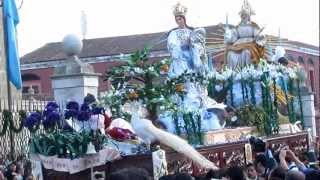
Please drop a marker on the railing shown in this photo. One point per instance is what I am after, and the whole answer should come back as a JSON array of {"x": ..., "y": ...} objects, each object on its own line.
[{"x": 14, "y": 139}]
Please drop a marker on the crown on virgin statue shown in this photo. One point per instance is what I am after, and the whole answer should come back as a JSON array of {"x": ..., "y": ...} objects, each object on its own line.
[
  {"x": 246, "y": 9},
  {"x": 179, "y": 10}
]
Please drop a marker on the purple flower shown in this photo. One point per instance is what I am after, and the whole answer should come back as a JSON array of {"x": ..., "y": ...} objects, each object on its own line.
[
  {"x": 97, "y": 110},
  {"x": 85, "y": 107},
  {"x": 50, "y": 107},
  {"x": 89, "y": 99},
  {"x": 72, "y": 110},
  {"x": 85, "y": 113},
  {"x": 52, "y": 104},
  {"x": 51, "y": 119},
  {"x": 32, "y": 120},
  {"x": 70, "y": 114},
  {"x": 84, "y": 116},
  {"x": 73, "y": 105},
  {"x": 53, "y": 116}
]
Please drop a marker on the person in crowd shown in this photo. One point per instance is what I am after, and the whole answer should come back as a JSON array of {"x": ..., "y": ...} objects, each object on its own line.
[
  {"x": 261, "y": 148},
  {"x": 294, "y": 175},
  {"x": 178, "y": 176},
  {"x": 1, "y": 175},
  {"x": 11, "y": 172},
  {"x": 235, "y": 173},
  {"x": 313, "y": 175},
  {"x": 130, "y": 174},
  {"x": 304, "y": 158},
  {"x": 19, "y": 172},
  {"x": 28, "y": 170},
  {"x": 251, "y": 172},
  {"x": 30, "y": 177},
  {"x": 289, "y": 161},
  {"x": 277, "y": 173},
  {"x": 260, "y": 164}
]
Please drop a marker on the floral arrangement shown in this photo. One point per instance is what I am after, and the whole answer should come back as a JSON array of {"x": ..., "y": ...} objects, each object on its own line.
[
  {"x": 139, "y": 80},
  {"x": 49, "y": 118},
  {"x": 61, "y": 138}
]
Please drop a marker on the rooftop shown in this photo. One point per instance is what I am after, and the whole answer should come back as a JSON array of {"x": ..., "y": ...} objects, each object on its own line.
[{"x": 117, "y": 45}]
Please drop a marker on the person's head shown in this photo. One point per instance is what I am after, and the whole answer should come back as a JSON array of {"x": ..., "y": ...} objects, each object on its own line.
[
  {"x": 130, "y": 174},
  {"x": 245, "y": 17},
  {"x": 235, "y": 173},
  {"x": 251, "y": 171},
  {"x": 258, "y": 146},
  {"x": 13, "y": 167},
  {"x": 183, "y": 176},
  {"x": 178, "y": 176},
  {"x": 179, "y": 12},
  {"x": 98, "y": 176},
  {"x": 277, "y": 173},
  {"x": 295, "y": 175},
  {"x": 260, "y": 163},
  {"x": 19, "y": 168},
  {"x": 213, "y": 174},
  {"x": 181, "y": 21},
  {"x": 30, "y": 177},
  {"x": 313, "y": 175}
]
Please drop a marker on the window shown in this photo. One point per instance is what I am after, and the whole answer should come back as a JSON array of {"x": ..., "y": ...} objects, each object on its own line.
[
  {"x": 300, "y": 60},
  {"x": 36, "y": 89},
  {"x": 30, "y": 77},
  {"x": 311, "y": 78},
  {"x": 290, "y": 58},
  {"x": 310, "y": 61},
  {"x": 25, "y": 89}
]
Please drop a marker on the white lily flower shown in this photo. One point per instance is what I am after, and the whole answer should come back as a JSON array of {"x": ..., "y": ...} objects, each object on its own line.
[
  {"x": 227, "y": 73},
  {"x": 138, "y": 70},
  {"x": 151, "y": 68},
  {"x": 220, "y": 77},
  {"x": 273, "y": 74}
]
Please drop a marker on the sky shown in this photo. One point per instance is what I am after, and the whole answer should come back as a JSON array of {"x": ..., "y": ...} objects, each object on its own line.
[{"x": 44, "y": 21}]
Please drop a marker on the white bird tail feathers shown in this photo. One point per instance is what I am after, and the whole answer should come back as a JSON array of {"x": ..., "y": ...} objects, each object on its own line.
[{"x": 181, "y": 146}]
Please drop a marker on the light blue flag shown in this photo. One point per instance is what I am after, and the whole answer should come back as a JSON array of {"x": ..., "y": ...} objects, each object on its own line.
[{"x": 10, "y": 20}]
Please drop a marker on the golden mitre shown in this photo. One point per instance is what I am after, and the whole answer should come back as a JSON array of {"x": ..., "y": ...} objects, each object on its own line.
[
  {"x": 179, "y": 10},
  {"x": 246, "y": 9}
]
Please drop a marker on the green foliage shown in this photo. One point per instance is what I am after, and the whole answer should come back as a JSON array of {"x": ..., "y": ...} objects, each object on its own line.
[
  {"x": 139, "y": 79},
  {"x": 250, "y": 115},
  {"x": 9, "y": 124},
  {"x": 66, "y": 144}
]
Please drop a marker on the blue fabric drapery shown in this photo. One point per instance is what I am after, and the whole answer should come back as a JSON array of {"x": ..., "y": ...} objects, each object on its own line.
[{"x": 10, "y": 21}]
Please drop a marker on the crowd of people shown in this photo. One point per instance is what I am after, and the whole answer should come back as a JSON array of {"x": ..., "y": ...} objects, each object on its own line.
[{"x": 19, "y": 169}]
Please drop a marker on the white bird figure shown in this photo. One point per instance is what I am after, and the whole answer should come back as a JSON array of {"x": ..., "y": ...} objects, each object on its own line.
[{"x": 149, "y": 133}]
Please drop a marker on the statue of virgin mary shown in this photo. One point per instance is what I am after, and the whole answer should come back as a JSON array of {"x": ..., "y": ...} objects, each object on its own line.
[
  {"x": 187, "y": 49},
  {"x": 186, "y": 46}
]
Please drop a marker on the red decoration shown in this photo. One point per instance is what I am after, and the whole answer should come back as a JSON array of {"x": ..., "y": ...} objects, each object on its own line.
[
  {"x": 120, "y": 134},
  {"x": 107, "y": 121}
]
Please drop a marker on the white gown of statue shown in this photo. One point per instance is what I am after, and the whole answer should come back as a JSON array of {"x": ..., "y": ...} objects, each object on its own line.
[
  {"x": 187, "y": 50},
  {"x": 180, "y": 51},
  {"x": 243, "y": 40}
]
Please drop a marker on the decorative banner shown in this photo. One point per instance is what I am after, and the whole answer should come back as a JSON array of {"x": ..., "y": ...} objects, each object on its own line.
[
  {"x": 159, "y": 164},
  {"x": 37, "y": 169},
  {"x": 80, "y": 164},
  {"x": 248, "y": 152}
]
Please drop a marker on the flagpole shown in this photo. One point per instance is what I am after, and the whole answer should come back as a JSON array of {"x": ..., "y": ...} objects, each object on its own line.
[{"x": 9, "y": 94}]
